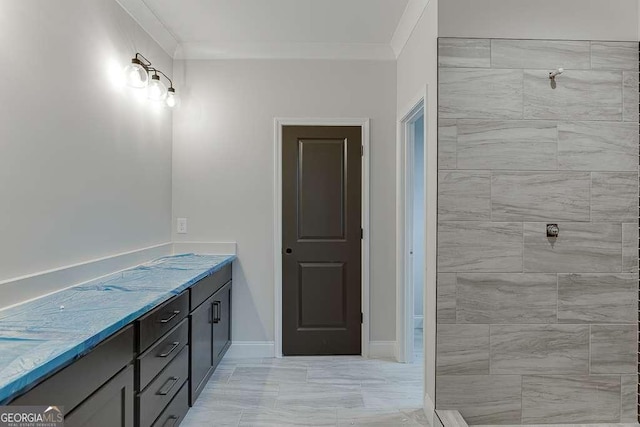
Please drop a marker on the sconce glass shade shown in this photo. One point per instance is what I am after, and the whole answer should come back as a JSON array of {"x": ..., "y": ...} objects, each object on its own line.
[
  {"x": 157, "y": 91},
  {"x": 173, "y": 100},
  {"x": 136, "y": 75}
]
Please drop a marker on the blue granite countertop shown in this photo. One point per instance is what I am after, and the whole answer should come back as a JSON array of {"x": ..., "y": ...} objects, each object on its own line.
[{"x": 40, "y": 336}]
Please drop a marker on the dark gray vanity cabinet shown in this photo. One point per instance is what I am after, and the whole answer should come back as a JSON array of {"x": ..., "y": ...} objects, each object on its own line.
[
  {"x": 96, "y": 389},
  {"x": 210, "y": 327}
]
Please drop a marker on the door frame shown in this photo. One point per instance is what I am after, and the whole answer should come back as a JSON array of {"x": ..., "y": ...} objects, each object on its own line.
[
  {"x": 404, "y": 224},
  {"x": 279, "y": 122}
]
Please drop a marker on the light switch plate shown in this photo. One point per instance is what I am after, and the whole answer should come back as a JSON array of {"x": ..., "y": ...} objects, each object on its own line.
[{"x": 181, "y": 227}]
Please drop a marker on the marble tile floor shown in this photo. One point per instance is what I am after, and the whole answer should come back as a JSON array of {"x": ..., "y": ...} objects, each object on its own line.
[{"x": 311, "y": 391}]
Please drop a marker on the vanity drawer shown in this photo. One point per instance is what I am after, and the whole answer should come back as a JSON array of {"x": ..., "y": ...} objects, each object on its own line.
[
  {"x": 161, "y": 320},
  {"x": 206, "y": 287},
  {"x": 152, "y": 361},
  {"x": 177, "y": 409},
  {"x": 156, "y": 397}
]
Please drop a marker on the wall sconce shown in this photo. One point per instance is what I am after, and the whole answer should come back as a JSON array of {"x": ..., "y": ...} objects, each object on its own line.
[{"x": 137, "y": 76}]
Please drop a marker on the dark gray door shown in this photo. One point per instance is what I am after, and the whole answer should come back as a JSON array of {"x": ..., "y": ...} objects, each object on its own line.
[{"x": 321, "y": 240}]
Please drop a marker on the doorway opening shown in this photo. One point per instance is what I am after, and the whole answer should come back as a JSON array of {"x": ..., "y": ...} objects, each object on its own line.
[{"x": 411, "y": 234}]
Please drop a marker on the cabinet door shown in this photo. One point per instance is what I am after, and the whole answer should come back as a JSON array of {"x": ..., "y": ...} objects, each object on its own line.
[
  {"x": 222, "y": 322},
  {"x": 110, "y": 406},
  {"x": 201, "y": 339}
]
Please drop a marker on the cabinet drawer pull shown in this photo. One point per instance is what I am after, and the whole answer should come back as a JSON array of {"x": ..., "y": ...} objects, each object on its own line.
[
  {"x": 171, "y": 421},
  {"x": 166, "y": 387},
  {"x": 168, "y": 319},
  {"x": 174, "y": 345},
  {"x": 216, "y": 313}
]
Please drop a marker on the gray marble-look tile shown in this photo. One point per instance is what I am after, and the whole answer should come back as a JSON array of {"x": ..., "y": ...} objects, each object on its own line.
[
  {"x": 598, "y": 298},
  {"x": 594, "y": 146},
  {"x": 570, "y": 399},
  {"x": 614, "y": 56},
  {"x": 506, "y": 298},
  {"x": 462, "y": 350},
  {"x": 545, "y": 54},
  {"x": 507, "y": 144},
  {"x": 392, "y": 396},
  {"x": 481, "y": 399},
  {"x": 447, "y": 143},
  {"x": 376, "y": 417},
  {"x": 202, "y": 415},
  {"x": 446, "y": 297},
  {"x": 630, "y": 247},
  {"x": 347, "y": 374},
  {"x": 539, "y": 349},
  {"x": 630, "y": 96},
  {"x": 478, "y": 93},
  {"x": 578, "y": 95},
  {"x": 464, "y": 196},
  {"x": 284, "y": 417},
  {"x": 629, "y": 391},
  {"x": 587, "y": 247},
  {"x": 540, "y": 196},
  {"x": 479, "y": 247},
  {"x": 319, "y": 396},
  {"x": 475, "y": 53},
  {"x": 267, "y": 374},
  {"x": 614, "y": 196},
  {"x": 239, "y": 396},
  {"x": 614, "y": 349}
]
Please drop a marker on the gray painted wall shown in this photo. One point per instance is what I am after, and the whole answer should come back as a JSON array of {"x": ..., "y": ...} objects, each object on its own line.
[{"x": 532, "y": 331}]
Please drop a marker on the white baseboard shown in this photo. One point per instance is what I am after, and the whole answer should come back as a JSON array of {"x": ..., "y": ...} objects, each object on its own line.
[
  {"x": 430, "y": 410},
  {"x": 21, "y": 289},
  {"x": 382, "y": 349},
  {"x": 418, "y": 322},
  {"x": 251, "y": 349},
  {"x": 208, "y": 248}
]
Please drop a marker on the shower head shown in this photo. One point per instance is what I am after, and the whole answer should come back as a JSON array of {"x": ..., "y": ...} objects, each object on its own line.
[{"x": 553, "y": 74}]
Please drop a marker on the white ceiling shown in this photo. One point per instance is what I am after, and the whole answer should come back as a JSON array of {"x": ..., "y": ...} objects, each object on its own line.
[{"x": 359, "y": 29}]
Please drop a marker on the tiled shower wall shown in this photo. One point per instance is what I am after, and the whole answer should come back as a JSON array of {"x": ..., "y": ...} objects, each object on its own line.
[{"x": 530, "y": 329}]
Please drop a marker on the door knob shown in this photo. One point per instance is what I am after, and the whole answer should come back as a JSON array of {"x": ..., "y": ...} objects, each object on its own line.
[{"x": 289, "y": 250}]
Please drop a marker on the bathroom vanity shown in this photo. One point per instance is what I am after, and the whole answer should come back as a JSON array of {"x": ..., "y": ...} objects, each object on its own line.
[{"x": 133, "y": 349}]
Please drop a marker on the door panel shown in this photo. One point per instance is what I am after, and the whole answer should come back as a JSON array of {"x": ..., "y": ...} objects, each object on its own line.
[
  {"x": 222, "y": 322},
  {"x": 321, "y": 207},
  {"x": 201, "y": 348}
]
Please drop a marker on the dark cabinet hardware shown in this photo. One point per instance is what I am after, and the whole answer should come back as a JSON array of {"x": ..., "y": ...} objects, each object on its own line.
[
  {"x": 289, "y": 250},
  {"x": 171, "y": 421},
  {"x": 216, "y": 311},
  {"x": 166, "y": 387},
  {"x": 174, "y": 345},
  {"x": 168, "y": 319}
]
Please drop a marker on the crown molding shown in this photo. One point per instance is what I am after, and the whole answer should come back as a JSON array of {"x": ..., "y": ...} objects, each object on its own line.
[
  {"x": 408, "y": 21},
  {"x": 150, "y": 23},
  {"x": 343, "y": 51}
]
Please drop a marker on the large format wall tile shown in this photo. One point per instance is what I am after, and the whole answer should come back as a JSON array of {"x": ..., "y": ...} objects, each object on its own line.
[
  {"x": 598, "y": 146},
  {"x": 598, "y": 298},
  {"x": 478, "y": 93},
  {"x": 630, "y": 96},
  {"x": 630, "y": 247},
  {"x": 579, "y": 95},
  {"x": 506, "y": 298},
  {"x": 568, "y": 399},
  {"x": 545, "y": 54},
  {"x": 446, "y": 298},
  {"x": 629, "y": 386},
  {"x": 462, "y": 349},
  {"x": 447, "y": 141},
  {"x": 540, "y": 196},
  {"x": 613, "y": 349},
  {"x": 464, "y": 53},
  {"x": 614, "y": 196},
  {"x": 540, "y": 349},
  {"x": 464, "y": 196},
  {"x": 580, "y": 247},
  {"x": 481, "y": 399},
  {"x": 480, "y": 247},
  {"x": 507, "y": 144},
  {"x": 614, "y": 55}
]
